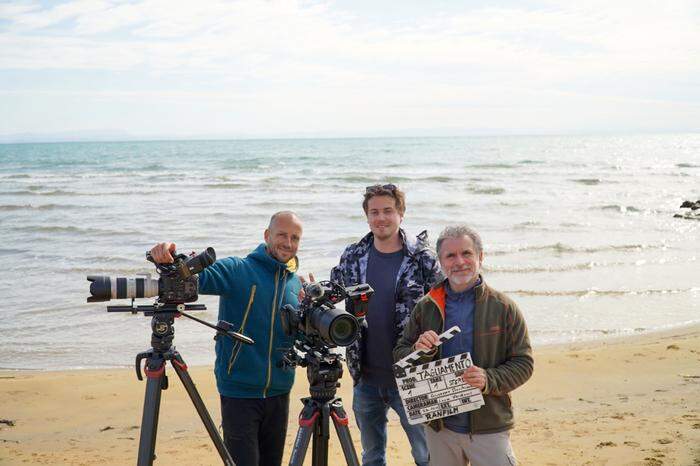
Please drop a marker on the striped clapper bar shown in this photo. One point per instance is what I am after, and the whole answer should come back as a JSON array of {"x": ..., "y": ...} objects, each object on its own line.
[{"x": 436, "y": 389}]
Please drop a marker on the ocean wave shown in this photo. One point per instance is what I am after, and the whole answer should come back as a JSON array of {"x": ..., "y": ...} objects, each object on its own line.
[
  {"x": 529, "y": 225},
  {"x": 438, "y": 179},
  {"x": 588, "y": 181},
  {"x": 12, "y": 207},
  {"x": 531, "y": 162},
  {"x": 687, "y": 165},
  {"x": 283, "y": 203},
  {"x": 100, "y": 270},
  {"x": 394, "y": 179},
  {"x": 23, "y": 192},
  {"x": 151, "y": 167},
  {"x": 545, "y": 268},
  {"x": 487, "y": 190},
  {"x": 167, "y": 177},
  {"x": 17, "y": 176},
  {"x": 492, "y": 166},
  {"x": 74, "y": 229},
  {"x": 512, "y": 204},
  {"x": 559, "y": 248},
  {"x": 344, "y": 240},
  {"x": 618, "y": 208},
  {"x": 11, "y": 251},
  {"x": 243, "y": 163},
  {"x": 371, "y": 180},
  {"x": 593, "y": 292},
  {"x": 225, "y": 185}
]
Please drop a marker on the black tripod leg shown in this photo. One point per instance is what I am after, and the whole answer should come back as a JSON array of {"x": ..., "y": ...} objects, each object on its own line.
[
  {"x": 322, "y": 435},
  {"x": 340, "y": 420},
  {"x": 181, "y": 370},
  {"x": 307, "y": 424},
  {"x": 151, "y": 408}
]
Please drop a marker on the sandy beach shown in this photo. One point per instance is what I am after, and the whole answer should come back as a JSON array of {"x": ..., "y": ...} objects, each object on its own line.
[{"x": 632, "y": 401}]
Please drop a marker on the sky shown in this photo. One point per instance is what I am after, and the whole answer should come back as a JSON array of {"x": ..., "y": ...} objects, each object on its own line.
[{"x": 288, "y": 68}]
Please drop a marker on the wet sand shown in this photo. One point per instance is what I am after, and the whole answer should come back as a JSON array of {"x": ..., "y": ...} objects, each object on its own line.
[{"x": 632, "y": 401}]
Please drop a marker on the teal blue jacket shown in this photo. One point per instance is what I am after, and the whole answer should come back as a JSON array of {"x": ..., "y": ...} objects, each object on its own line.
[{"x": 252, "y": 291}]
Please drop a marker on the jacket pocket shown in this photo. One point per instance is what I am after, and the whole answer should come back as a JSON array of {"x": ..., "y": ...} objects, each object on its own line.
[{"x": 496, "y": 415}]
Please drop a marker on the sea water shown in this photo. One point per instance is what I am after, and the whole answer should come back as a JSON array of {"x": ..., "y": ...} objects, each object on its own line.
[{"x": 578, "y": 230}]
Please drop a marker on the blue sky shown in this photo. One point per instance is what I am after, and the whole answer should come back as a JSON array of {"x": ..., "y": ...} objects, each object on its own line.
[{"x": 156, "y": 68}]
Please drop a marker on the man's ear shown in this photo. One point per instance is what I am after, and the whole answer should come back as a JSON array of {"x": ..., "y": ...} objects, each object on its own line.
[{"x": 266, "y": 235}]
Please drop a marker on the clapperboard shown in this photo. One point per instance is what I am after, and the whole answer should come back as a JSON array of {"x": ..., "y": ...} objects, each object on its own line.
[{"x": 436, "y": 389}]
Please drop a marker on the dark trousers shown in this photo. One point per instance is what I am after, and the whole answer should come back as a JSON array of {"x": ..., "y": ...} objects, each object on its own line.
[{"x": 255, "y": 429}]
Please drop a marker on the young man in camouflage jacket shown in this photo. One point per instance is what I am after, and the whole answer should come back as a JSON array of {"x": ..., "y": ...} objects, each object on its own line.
[{"x": 400, "y": 271}]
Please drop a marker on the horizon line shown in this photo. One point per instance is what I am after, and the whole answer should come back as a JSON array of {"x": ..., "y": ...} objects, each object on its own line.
[{"x": 27, "y": 139}]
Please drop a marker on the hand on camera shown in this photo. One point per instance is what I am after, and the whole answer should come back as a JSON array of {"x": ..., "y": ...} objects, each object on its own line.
[
  {"x": 302, "y": 293},
  {"x": 427, "y": 340},
  {"x": 161, "y": 253}
]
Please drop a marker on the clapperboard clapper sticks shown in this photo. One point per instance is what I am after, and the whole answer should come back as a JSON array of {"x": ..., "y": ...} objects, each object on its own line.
[{"x": 436, "y": 389}]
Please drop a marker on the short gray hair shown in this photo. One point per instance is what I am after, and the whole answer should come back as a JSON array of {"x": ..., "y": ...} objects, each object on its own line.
[{"x": 458, "y": 231}]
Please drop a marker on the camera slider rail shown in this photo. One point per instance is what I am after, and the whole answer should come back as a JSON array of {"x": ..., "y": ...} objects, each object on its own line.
[{"x": 177, "y": 308}]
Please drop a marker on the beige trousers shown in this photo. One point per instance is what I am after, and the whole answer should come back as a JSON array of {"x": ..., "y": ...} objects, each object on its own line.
[{"x": 449, "y": 448}]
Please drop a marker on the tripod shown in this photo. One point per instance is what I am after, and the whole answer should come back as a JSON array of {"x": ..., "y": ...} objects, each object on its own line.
[
  {"x": 322, "y": 406},
  {"x": 156, "y": 358}
]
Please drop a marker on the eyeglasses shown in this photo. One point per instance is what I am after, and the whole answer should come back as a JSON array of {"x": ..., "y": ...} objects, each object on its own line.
[{"x": 378, "y": 188}]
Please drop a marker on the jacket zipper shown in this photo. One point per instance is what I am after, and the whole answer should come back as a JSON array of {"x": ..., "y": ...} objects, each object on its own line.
[
  {"x": 471, "y": 417},
  {"x": 272, "y": 329},
  {"x": 439, "y": 355},
  {"x": 237, "y": 345}
]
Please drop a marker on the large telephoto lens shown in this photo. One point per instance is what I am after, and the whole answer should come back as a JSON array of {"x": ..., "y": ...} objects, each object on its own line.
[
  {"x": 336, "y": 326},
  {"x": 105, "y": 288}
]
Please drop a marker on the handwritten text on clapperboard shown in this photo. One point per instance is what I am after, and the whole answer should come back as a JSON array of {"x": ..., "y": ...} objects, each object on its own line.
[{"x": 436, "y": 389}]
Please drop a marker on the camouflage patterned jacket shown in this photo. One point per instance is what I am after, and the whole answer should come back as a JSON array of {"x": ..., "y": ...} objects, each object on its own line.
[{"x": 418, "y": 272}]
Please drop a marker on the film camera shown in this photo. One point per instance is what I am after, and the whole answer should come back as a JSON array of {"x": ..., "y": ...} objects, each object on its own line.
[
  {"x": 318, "y": 326},
  {"x": 318, "y": 321},
  {"x": 177, "y": 283}
]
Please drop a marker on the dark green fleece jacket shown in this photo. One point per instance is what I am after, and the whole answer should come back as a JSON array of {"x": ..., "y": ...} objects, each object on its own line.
[{"x": 501, "y": 347}]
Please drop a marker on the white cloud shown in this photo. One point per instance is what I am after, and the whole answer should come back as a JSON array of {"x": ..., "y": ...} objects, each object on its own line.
[{"x": 286, "y": 55}]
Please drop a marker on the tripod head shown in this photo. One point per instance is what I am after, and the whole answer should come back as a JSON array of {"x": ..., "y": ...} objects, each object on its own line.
[{"x": 323, "y": 368}]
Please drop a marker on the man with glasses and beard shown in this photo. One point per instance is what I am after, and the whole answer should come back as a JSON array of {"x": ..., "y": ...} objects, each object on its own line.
[{"x": 400, "y": 271}]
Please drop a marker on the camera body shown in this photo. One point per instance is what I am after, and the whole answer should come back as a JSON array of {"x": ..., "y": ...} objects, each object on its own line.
[
  {"x": 175, "y": 289},
  {"x": 317, "y": 322},
  {"x": 178, "y": 282}
]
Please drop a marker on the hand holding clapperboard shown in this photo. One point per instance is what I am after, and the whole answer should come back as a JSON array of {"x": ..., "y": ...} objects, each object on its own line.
[{"x": 435, "y": 390}]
